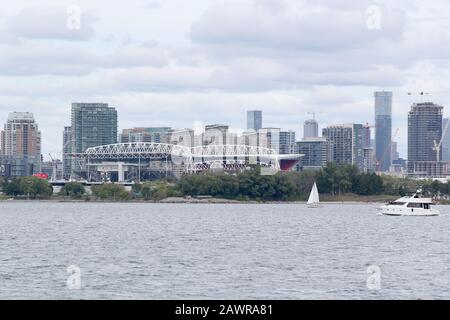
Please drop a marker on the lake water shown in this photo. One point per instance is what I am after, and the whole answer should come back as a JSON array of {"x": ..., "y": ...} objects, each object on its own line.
[{"x": 202, "y": 251}]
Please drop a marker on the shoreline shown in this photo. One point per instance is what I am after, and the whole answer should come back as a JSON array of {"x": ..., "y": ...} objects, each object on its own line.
[
  {"x": 187, "y": 201},
  {"x": 365, "y": 201}
]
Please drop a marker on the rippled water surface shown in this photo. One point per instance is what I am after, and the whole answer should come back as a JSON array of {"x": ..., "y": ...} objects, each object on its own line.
[{"x": 201, "y": 251}]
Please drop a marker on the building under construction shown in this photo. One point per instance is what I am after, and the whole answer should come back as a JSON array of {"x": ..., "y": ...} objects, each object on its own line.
[{"x": 424, "y": 140}]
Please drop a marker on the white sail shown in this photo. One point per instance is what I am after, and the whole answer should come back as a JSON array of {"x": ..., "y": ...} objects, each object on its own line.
[{"x": 314, "y": 196}]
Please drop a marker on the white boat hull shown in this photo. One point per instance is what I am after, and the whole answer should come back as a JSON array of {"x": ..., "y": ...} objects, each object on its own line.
[{"x": 403, "y": 211}]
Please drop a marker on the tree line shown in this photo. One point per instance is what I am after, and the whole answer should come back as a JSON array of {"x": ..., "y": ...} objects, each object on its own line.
[
  {"x": 27, "y": 187},
  {"x": 249, "y": 185}
]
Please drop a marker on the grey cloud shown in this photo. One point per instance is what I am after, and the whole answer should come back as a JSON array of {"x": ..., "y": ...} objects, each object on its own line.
[
  {"x": 134, "y": 56},
  {"x": 313, "y": 42},
  {"x": 318, "y": 29},
  {"x": 246, "y": 75},
  {"x": 30, "y": 58},
  {"x": 153, "y": 4}
]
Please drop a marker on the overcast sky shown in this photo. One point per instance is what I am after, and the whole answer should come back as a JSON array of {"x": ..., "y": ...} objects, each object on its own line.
[{"x": 177, "y": 62}]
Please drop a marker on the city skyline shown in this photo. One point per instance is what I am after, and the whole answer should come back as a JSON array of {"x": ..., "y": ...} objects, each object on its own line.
[
  {"x": 157, "y": 72},
  {"x": 96, "y": 124},
  {"x": 199, "y": 127}
]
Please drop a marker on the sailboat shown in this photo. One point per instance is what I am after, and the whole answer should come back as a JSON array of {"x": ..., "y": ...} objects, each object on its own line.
[{"x": 314, "y": 201}]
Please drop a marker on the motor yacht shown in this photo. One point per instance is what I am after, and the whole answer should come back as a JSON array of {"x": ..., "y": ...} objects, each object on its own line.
[{"x": 413, "y": 205}]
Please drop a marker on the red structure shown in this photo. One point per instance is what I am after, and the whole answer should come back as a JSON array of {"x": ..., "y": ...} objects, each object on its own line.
[
  {"x": 288, "y": 164},
  {"x": 42, "y": 176}
]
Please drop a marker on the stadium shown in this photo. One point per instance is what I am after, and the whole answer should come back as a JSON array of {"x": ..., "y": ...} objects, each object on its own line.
[{"x": 131, "y": 162}]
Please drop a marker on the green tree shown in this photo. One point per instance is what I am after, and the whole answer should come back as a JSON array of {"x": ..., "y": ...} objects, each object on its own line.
[
  {"x": 34, "y": 187},
  {"x": 284, "y": 188},
  {"x": 401, "y": 191},
  {"x": 136, "y": 189},
  {"x": 12, "y": 188},
  {"x": 158, "y": 190},
  {"x": 73, "y": 190},
  {"x": 111, "y": 191}
]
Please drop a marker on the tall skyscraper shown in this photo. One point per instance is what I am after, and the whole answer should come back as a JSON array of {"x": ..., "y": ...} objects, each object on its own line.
[
  {"x": 21, "y": 136},
  {"x": 254, "y": 120},
  {"x": 346, "y": 143},
  {"x": 67, "y": 149},
  {"x": 424, "y": 129},
  {"x": 93, "y": 124},
  {"x": 383, "y": 132},
  {"x": 446, "y": 139},
  {"x": 311, "y": 129}
]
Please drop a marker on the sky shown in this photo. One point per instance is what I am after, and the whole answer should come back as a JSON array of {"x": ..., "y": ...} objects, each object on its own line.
[{"x": 183, "y": 63}]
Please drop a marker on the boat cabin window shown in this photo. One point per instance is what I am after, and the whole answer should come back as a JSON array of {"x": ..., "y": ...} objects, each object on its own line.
[
  {"x": 397, "y": 203},
  {"x": 426, "y": 206},
  {"x": 415, "y": 205}
]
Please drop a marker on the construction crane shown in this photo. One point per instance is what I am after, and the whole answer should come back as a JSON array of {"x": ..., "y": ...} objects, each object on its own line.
[
  {"x": 53, "y": 168},
  {"x": 437, "y": 146},
  {"x": 314, "y": 114},
  {"x": 419, "y": 93}
]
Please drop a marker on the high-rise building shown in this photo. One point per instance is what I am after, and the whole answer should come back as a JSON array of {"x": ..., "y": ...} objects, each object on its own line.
[
  {"x": 395, "y": 153},
  {"x": 269, "y": 138},
  {"x": 446, "y": 139},
  {"x": 67, "y": 149},
  {"x": 316, "y": 152},
  {"x": 21, "y": 136},
  {"x": 368, "y": 163},
  {"x": 216, "y": 134},
  {"x": 367, "y": 136},
  {"x": 2, "y": 142},
  {"x": 346, "y": 143},
  {"x": 368, "y": 151},
  {"x": 424, "y": 130},
  {"x": 155, "y": 135},
  {"x": 383, "y": 132},
  {"x": 249, "y": 138},
  {"x": 183, "y": 137},
  {"x": 254, "y": 120},
  {"x": 12, "y": 167},
  {"x": 311, "y": 129},
  {"x": 287, "y": 142},
  {"x": 93, "y": 124},
  {"x": 20, "y": 146}
]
